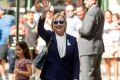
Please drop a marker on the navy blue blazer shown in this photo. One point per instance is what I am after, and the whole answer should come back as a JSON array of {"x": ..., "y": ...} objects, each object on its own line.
[{"x": 56, "y": 68}]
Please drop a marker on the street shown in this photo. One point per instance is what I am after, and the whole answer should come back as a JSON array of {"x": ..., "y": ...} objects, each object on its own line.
[{"x": 103, "y": 71}]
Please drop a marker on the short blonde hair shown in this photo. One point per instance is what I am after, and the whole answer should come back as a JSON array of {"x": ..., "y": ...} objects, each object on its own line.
[{"x": 56, "y": 16}]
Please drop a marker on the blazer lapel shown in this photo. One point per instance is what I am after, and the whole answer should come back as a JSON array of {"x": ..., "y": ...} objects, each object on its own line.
[{"x": 68, "y": 44}]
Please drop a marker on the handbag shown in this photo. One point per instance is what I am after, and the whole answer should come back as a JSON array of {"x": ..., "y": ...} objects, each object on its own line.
[{"x": 39, "y": 60}]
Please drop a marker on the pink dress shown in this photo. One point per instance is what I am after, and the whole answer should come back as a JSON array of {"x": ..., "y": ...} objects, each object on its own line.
[{"x": 21, "y": 64}]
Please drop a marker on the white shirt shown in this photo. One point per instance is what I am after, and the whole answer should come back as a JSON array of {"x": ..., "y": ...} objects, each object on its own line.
[
  {"x": 73, "y": 26},
  {"x": 61, "y": 44}
]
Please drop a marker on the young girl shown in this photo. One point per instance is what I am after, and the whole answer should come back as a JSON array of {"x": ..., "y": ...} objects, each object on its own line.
[{"x": 23, "y": 69}]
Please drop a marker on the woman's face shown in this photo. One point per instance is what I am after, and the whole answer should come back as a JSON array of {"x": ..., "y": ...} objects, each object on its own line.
[
  {"x": 108, "y": 17},
  {"x": 59, "y": 25}
]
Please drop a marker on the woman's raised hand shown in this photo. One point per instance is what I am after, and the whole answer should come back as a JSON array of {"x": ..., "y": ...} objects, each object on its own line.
[{"x": 46, "y": 5}]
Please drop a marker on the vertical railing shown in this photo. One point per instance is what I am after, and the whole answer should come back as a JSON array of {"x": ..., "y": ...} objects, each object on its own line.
[
  {"x": 105, "y": 5},
  {"x": 17, "y": 23},
  {"x": 99, "y": 3}
]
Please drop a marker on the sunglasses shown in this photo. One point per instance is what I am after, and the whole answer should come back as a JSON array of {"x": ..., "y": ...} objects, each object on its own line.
[{"x": 60, "y": 22}]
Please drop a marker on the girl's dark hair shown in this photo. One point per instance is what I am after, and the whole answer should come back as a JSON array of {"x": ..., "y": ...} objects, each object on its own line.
[
  {"x": 25, "y": 48},
  {"x": 108, "y": 11}
]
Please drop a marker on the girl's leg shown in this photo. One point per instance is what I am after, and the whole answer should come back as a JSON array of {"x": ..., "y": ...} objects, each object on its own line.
[
  {"x": 2, "y": 66},
  {"x": 116, "y": 71},
  {"x": 108, "y": 65}
]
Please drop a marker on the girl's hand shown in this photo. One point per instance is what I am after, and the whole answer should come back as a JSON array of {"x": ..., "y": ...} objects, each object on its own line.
[{"x": 16, "y": 70}]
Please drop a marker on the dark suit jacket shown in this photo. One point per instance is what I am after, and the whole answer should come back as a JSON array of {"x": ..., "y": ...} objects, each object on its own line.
[
  {"x": 91, "y": 41},
  {"x": 56, "y": 68}
]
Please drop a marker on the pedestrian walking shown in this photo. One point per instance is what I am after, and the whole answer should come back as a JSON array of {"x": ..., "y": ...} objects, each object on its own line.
[
  {"x": 62, "y": 60},
  {"x": 23, "y": 69},
  {"x": 91, "y": 45}
]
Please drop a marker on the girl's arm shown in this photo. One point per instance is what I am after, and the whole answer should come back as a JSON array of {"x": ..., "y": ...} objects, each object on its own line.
[{"x": 27, "y": 73}]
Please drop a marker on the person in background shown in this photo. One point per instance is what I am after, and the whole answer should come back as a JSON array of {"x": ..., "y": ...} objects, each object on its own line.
[
  {"x": 37, "y": 9},
  {"x": 23, "y": 69},
  {"x": 91, "y": 46},
  {"x": 31, "y": 37},
  {"x": 79, "y": 2},
  {"x": 62, "y": 60},
  {"x": 115, "y": 18},
  {"x": 49, "y": 17},
  {"x": 80, "y": 12},
  {"x": 22, "y": 30},
  {"x": 111, "y": 37},
  {"x": 11, "y": 48},
  {"x": 68, "y": 2},
  {"x": 73, "y": 22},
  {"x": 6, "y": 21}
]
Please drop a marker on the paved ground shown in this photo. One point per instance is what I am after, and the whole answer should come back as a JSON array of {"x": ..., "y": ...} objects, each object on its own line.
[
  {"x": 103, "y": 70},
  {"x": 104, "y": 73}
]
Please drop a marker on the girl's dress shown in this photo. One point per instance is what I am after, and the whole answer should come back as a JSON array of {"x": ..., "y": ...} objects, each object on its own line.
[
  {"x": 111, "y": 41},
  {"x": 21, "y": 65}
]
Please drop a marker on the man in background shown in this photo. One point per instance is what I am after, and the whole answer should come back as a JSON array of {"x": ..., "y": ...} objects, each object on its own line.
[{"x": 91, "y": 44}]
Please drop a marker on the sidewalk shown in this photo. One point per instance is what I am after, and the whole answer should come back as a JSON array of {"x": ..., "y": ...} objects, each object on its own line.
[
  {"x": 33, "y": 77},
  {"x": 103, "y": 72}
]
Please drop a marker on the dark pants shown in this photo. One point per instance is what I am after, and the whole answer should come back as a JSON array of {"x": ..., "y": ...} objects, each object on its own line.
[{"x": 11, "y": 59}]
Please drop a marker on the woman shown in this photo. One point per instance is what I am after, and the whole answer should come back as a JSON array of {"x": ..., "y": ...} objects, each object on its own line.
[
  {"x": 62, "y": 60},
  {"x": 111, "y": 37}
]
